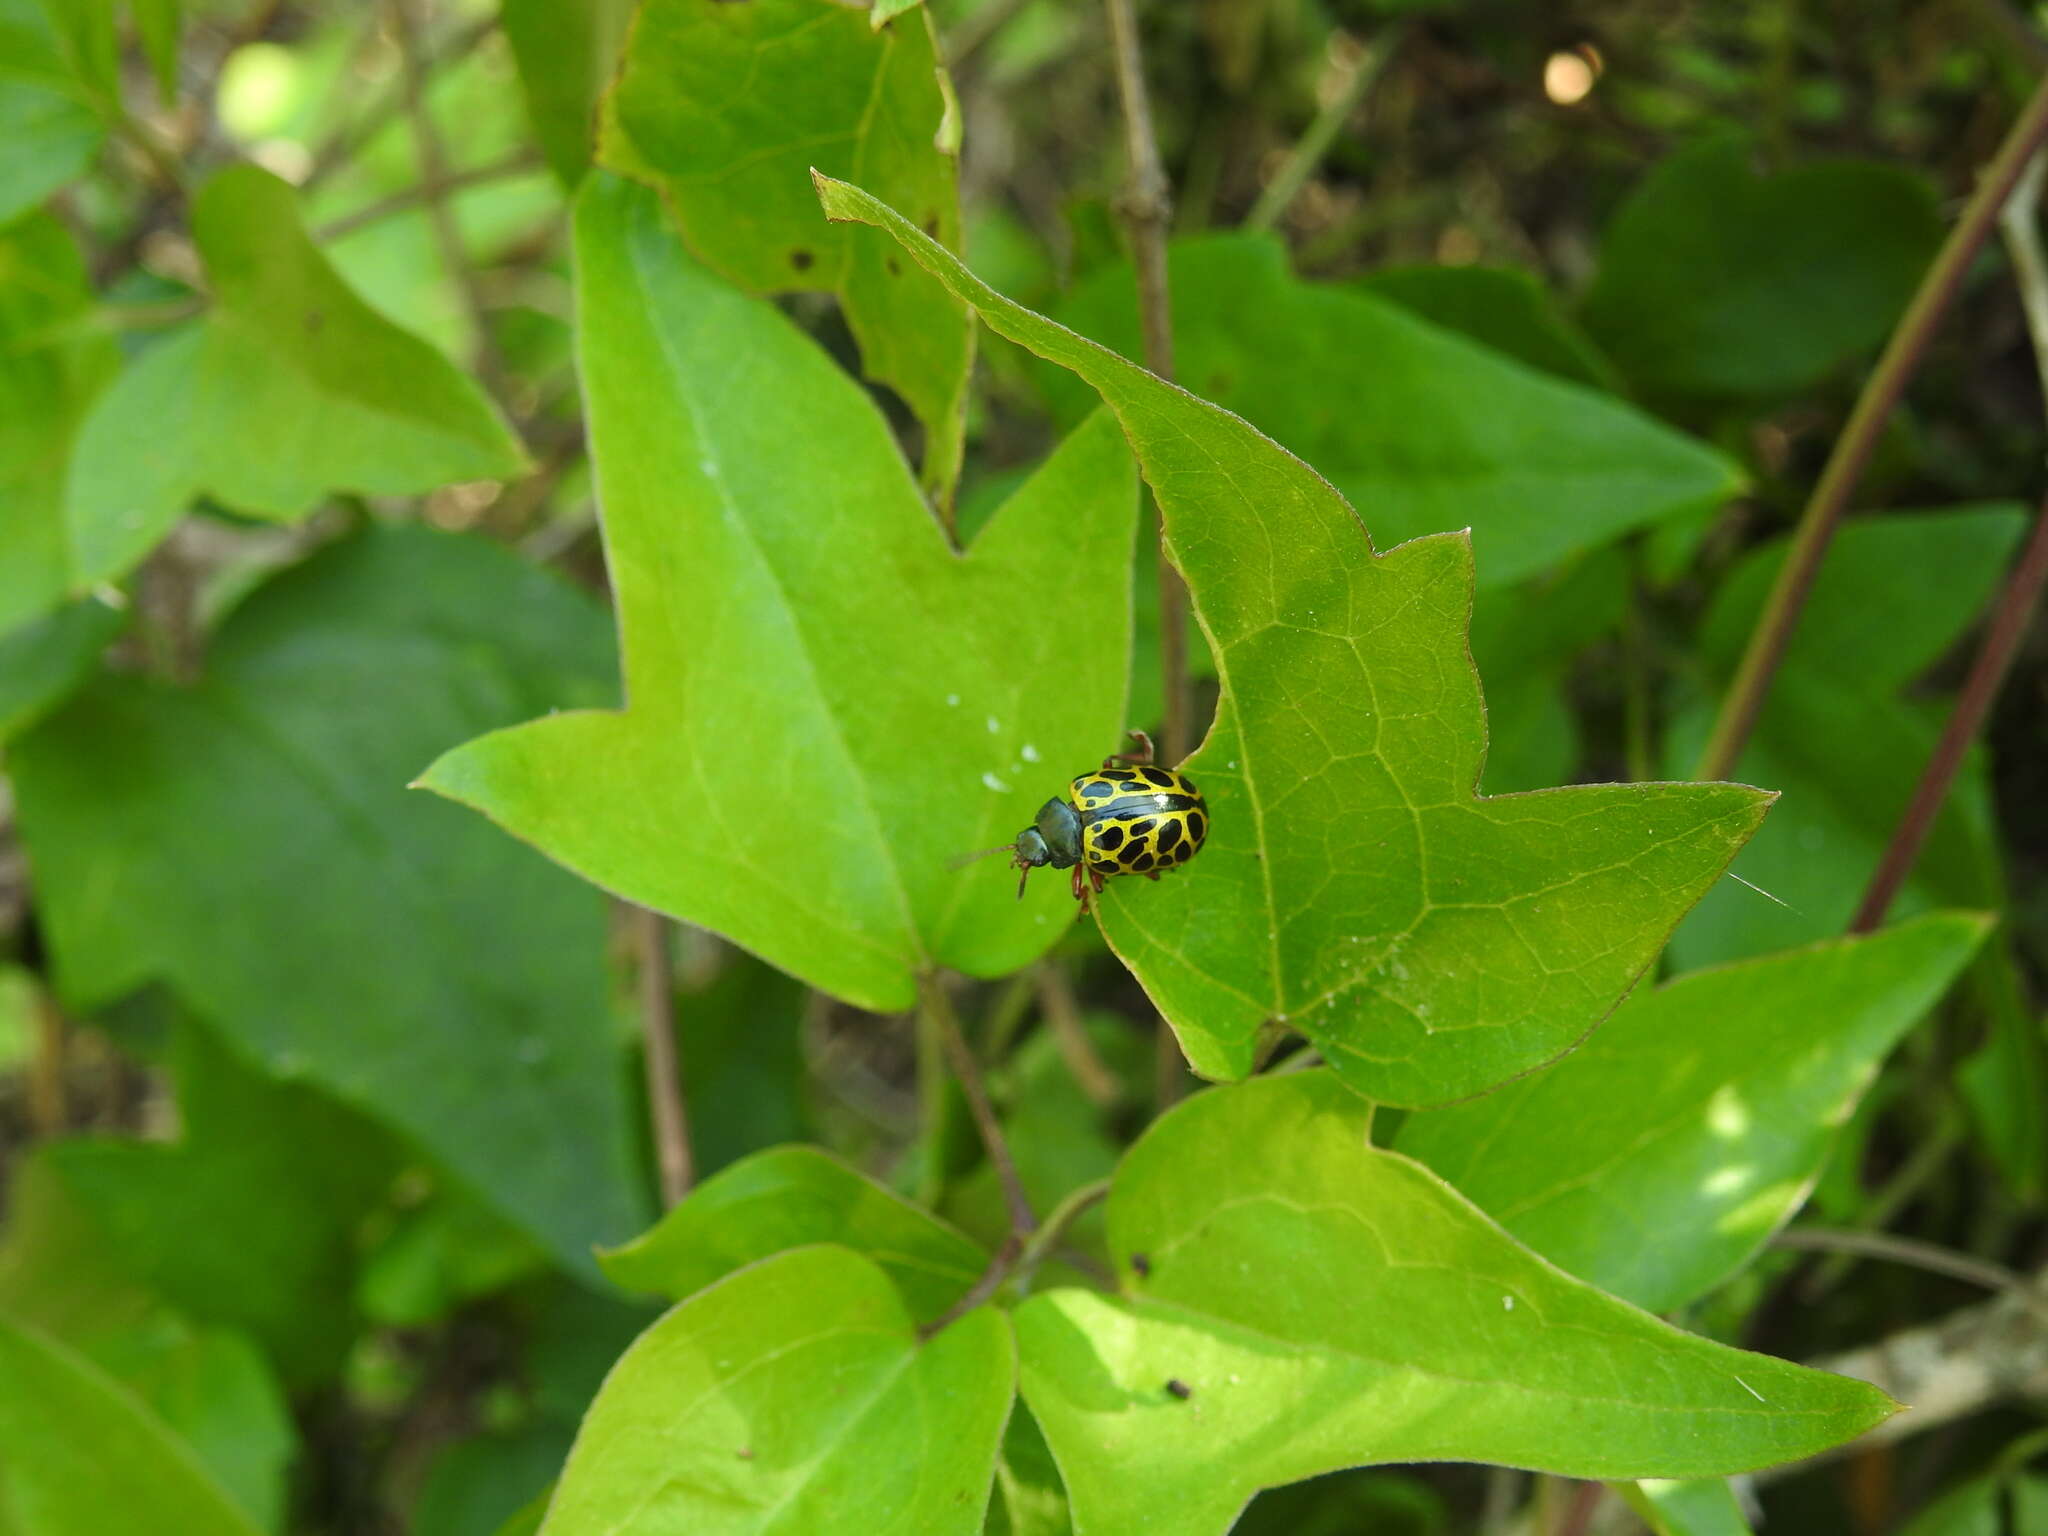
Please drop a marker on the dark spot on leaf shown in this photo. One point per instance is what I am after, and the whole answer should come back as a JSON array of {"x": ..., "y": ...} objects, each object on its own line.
[
  {"x": 895, "y": 267},
  {"x": 1219, "y": 383},
  {"x": 931, "y": 225},
  {"x": 1179, "y": 1388},
  {"x": 746, "y": 1453},
  {"x": 1141, "y": 1264},
  {"x": 802, "y": 260},
  {"x": 315, "y": 318}
]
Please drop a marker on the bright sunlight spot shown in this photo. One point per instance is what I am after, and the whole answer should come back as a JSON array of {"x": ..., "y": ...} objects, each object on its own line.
[{"x": 1568, "y": 76}]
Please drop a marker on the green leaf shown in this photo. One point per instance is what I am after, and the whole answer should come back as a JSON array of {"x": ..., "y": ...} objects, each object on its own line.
[
  {"x": 46, "y": 658},
  {"x": 1498, "y": 307},
  {"x": 1717, "y": 281},
  {"x": 80, "y": 1456},
  {"x": 158, "y": 24},
  {"x": 1029, "y": 1498},
  {"x": 439, "y": 977},
  {"x": 61, "y": 1273},
  {"x": 1697, "y": 1113},
  {"x": 1430, "y": 943},
  {"x": 1418, "y": 427},
  {"x": 791, "y": 1197},
  {"x": 250, "y": 1219},
  {"x": 291, "y": 388},
  {"x": 726, "y": 108},
  {"x": 51, "y": 365},
  {"x": 1838, "y": 740},
  {"x": 1292, "y": 1300},
  {"x": 567, "y": 52},
  {"x": 828, "y": 704},
  {"x": 789, "y": 1394},
  {"x": 1701, "y": 1507},
  {"x": 47, "y": 119}
]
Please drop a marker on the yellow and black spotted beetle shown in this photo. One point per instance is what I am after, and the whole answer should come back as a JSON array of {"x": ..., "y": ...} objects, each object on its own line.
[{"x": 1127, "y": 817}]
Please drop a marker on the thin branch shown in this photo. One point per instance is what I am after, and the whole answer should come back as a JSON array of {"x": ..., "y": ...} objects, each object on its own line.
[
  {"x": 1909, "y": 1251},
  {"x": 2020, "y": 224},
  {"x": 433, "y": 157},
  {"x": 1308, "y": 152},
  {"x": 47, "y": 1111},
  {"x": 1062, "y": 1012},
  {"x": 1852, "y": 451},
  {"x": 2009, "y": 621},
  {"x": 937, "y": 1011},
  {"x": 665, "y": 1104},
  {"x": 346, "y": 140},
  {"x": 1147, "y": 210},
  {"x": 1054, "y": 1227},
  {"x": 514, "y": 164}
]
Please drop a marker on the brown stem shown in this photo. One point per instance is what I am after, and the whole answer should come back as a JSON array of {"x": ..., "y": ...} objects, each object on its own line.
[
  {"x": 352, "y": 136},
  {"x": 47, "y": 1111},
  {"x": 1852, "y": 451},
  {"x": 435, "y": 182},
  {"x": 1308, "y": 152},
  {"x": 666, "y": 1107},
  {"x": 519, "y": 161},
  {"x": 2009, "y": 621},
  {"x": 1903, "y": 1250},
  {"x": 938, "y": 1011},
  {"x": 1062, "y": 1012},
  {"x": 1147, "y": 210}
]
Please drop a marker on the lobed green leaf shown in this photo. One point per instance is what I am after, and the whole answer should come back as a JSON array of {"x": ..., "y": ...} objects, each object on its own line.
[
  {"x": 788, "y": 1396},
  {"x": 1292, "y": 1300},
  {"x": 828, "y": 705},
  {"x": 1428, "y": 941}
]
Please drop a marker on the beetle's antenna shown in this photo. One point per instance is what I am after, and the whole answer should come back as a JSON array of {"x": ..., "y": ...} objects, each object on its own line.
[
  {"x": 965, "y": 859},
  {"x": 1020, "y": 881}
]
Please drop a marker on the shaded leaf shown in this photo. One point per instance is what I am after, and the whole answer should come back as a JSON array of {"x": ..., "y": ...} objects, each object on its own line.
[
  {"x": 61, "y": 1273},
  {"x": 791, "y": 1197},
  {"x": 1429, "y": 942},
  {"x": 441, "y": 978},
  {"x": 828, "y": 704},
  {"x": 80, "y": 1456},
  {"x": 1714, "y": 280},
  {"x": 1660, "y": 1155},
  {"x": 250, "y": 1219},
  {"x": 51, "y": 366},
  {"x": 790, "y": 1393},
  {"x": 726, "y": 108},
  {"x": 1292, "y": 1300},
  {"x": 1838, "y": 740},
  {"x": 1417, "y": 426},
  {"x": 1498, "y": 307},
  {"x": 47, "y": 120},
  {"x": 46, "y": 658},
  {"x": 1029, "y": 1498},
  {"x": 291, "y": 388}
]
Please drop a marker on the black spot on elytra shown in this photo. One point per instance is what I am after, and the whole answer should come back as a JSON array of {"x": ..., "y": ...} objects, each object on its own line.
[
  {"x": 1143, "y": 828},
  {"x": 1103, "y": 866},
  {"x": 1109, "y": 839},
  {"x": 1157, "y": 778},
  {"x": 1118, "y": 775},
  {"x": 1169, "y": 834},
  {"x": 1141, "y": 863},
  {"x": 802, "y": 260},
  {"x": 1197, "y": 827}
]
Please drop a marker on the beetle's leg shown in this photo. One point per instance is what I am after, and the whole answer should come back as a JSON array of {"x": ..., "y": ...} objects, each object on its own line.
[
  {"x": 1097, "y": 876},
  {"x": 1151, "y": 874},
  {"x": 1079, "y": 895},
  {"x": 1135, "y": 759}
]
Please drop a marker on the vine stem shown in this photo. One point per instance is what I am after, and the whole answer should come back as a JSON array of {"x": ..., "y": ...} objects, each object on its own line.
[
  {"x": 1852, "y": 450},
  {"x": 517, "y": 163},
  {"x": 2009, "y": 621},
  {"x": 436, "y": 183},
  {"x": 1279, "y": 193},
  {"x": 1147, "y": 212},
  {"x": 666, "y": 1106},
  {"x": 936, "y": 1011}
]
